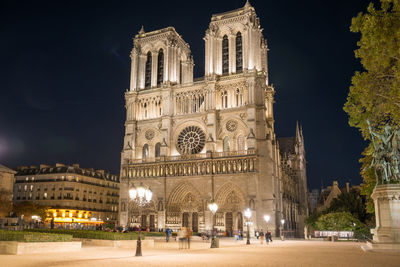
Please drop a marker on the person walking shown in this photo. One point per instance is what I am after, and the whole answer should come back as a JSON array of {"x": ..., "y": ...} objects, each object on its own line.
[
  {"x": 269, "y": 236},
  {"x": 266, "y": 238},
  {"x": 261, "y": 237},
  {"x": 181, "y": 237},
  {"x": 188, "y": 237},
  {"x": 168, "y": 234}
]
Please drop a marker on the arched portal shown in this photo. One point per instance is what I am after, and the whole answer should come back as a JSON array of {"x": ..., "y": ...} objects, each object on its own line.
[
  {"x": 231, "y": 202},
  {"x": 184, "y": 206}
]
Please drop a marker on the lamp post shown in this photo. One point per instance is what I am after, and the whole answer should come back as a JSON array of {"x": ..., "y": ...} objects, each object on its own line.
[
  {"x": 141, "y": 196},
  {"x": 213, "y": 208},
  {"x": 282, "y": 223},
  {"x": 247, "y": 213}
]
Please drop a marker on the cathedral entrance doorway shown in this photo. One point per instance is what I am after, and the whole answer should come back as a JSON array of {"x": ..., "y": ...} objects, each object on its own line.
[
  {"x": 228, "y": 224},
  {"x": 195, "y": 222},
  {"x": 152, "y": 225},
  {"x": 143, "y": 223},
  {"x": 185, "y": 219}
]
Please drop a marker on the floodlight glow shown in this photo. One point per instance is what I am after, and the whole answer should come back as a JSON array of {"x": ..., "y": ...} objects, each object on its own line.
[
  {"x": 132, "y": 193},
  {"x": 247, "y": 213},
  {"x": 213, "y": 207}
]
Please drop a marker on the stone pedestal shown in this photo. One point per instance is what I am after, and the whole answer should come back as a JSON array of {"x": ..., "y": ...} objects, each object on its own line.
[{"x": 387, "y": 213}]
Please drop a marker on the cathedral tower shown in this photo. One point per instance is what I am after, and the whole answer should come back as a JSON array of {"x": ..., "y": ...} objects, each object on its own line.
[{"x": 210, "y": 139}]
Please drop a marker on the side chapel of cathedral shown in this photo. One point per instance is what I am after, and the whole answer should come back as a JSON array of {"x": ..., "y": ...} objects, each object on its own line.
[{"x": 194, "y": 141}]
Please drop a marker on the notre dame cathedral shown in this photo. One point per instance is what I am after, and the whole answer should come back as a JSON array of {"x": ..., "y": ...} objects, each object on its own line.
[{"x": 194, "y": 141}]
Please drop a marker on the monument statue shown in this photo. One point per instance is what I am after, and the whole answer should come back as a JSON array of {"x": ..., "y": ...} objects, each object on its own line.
[
  {"x": 386, "y": 157},
  {"x": 386, "y": 194}
]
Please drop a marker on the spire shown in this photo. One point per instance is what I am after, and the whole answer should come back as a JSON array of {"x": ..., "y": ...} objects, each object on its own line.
[
  {"x": 297, "y": 130},
  {"x": 247, "y": 5},
  {"x": 141, "y": 30}
]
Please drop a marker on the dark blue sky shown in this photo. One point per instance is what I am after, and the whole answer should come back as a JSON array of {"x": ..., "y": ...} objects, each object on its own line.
[{"x": 64, "y": 67}]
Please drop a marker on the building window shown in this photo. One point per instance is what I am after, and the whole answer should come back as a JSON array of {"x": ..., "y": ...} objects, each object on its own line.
[
  {"x": 226, "y": 144},
  {"x": 147, "y": 77},
  {"x": 160, "y": 67},
  {"x": 145, "y": 110},
  {"x": 31, "y": 187},
  {"x": 145, "y": 151},
  {"x": 44, "y": 195},
  {"x": 225, "y": 55},
  {"x": 239, "y": 53},
  {"x": 25, "y": 188},
  {"x": 224, "y": 99},
  {"x": 158, "y": 150},
  {"x": 180, "y": 71},
  {"x": 238, "y": 98},
  {"x": 240, "y": 143}
]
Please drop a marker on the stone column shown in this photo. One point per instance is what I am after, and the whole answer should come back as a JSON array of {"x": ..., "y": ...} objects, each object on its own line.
[{"x": 161, "y": 219}]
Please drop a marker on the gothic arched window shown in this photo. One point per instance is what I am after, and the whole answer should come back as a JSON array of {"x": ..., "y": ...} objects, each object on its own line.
[
  {"x": 145, "y": 151},
  {"x": 239, "y": 53},
  {"x": 225, "y": 55},
  {"x": 224, "y": 99},
  {"x": 237, "y": 95},
  {"x": 160, "y": 67},
  {"x": 240, "y": 143},
  {"x": 226, "y": 144},
  {"x": 145, "y": 110},
  {"x": 158, "y": 150},
  {"x": 180, "y": 71},
  {"x": 147, "y": 76}
]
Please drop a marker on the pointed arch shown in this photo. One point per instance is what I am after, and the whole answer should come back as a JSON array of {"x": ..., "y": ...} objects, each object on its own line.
[
  {"x": 158, "y": 150},
  {"x": 145, "y": 151},
  {"x": 229, "y": 193},
  {"x": 226, "y": 144},
  {"x": 180, "y": 191},
  {"x": 147, "y": 77},
  {"x": 160, "y": 67},
  {"x": 225, "y": 55},
  {"x": 241, "y": 146},
  {"x": 239, "y": 53}
]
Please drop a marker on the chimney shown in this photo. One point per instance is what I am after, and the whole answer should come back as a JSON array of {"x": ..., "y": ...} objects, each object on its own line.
[
  {"x": 60, "y": 165},
  {"x": 75, "y": 165},
  {"x": 335, "y": 183},
  {"x": 348, "y": 187}
]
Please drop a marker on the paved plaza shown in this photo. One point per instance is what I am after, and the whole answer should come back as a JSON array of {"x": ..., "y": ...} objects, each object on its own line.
[{"x": 231, "y": 253}]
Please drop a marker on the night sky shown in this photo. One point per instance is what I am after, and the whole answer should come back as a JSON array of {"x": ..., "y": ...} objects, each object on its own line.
[{"x": 64, "y": 68}]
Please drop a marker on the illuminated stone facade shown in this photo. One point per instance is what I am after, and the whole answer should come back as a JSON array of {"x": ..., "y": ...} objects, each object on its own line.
[
  {"x": 197, "y": 140},
  {"x": 70, "y": 191},
  {"x": 6, "y": 190}
]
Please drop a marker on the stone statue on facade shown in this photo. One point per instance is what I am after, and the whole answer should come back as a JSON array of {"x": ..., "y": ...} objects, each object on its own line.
[{"x": 386, "y": 157}]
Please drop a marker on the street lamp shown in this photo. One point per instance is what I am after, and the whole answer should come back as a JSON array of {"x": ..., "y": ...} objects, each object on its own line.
[
  {"x": 247, "y": 213},
  {"x": 141, "y": 196},
  {"x": 267, "y": 218},
  {"x": 282, "y": 223},
  {"x": 213, "y": 208}
]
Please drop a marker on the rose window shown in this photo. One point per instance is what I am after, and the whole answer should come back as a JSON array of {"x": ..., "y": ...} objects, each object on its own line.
[
  {"x": 191, "y": 140},
  {"x": 231, "y": 125}
]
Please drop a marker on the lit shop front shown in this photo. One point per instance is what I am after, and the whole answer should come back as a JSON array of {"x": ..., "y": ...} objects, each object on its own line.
[{"x": 74, "y": 218}]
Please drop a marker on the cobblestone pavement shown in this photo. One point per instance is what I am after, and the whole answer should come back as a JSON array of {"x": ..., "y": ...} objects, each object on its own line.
[{"x": 231, "y": 253}]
